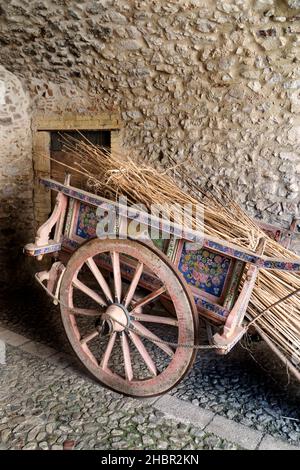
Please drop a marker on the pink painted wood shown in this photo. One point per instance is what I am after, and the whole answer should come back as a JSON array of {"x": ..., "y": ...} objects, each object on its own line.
[
  {"x": 155, "y": 319},
  {"x": 143, "y": 352},
  {"x": 148, "y": 298},
  {"x": 88, "y": 312},
  {"x": 233, "y": 330},
  {"x": 42, "y": 236},
  {"x": 151, "y": 336},
  {"x": 100, "y": 278},
  {"x": 86, "y": 290},
  {"x": 134, "y": 283},
  {"x": 108, "y": 351},
  {"x": 89, "y": 337},
  {"x": 117, "y": 275},
  {"x": 126, "y": 355}
]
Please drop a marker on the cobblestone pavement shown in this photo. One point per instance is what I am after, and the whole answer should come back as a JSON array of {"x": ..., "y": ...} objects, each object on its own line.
[
  {"x": 241, "y": 389},
  {"x": 257, "y": 395},
  {"x": 43, "y": 405}
]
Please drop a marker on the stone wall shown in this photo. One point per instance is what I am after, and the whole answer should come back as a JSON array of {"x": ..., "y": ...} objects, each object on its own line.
[
  {"x": 16, "y": 212},
  {"x": 213, "y": 80}
]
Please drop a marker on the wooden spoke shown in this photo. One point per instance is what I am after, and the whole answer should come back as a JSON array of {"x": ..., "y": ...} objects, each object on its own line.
[
  {"x": 100, "y": 278},
  {"x": 152, "y": 337},
  {"x": 108, "y": 351},
  {"x": 155, "y": 319},
  {"x": 89, "y": 337},
  {"x": 149, "y": 298},
  {"x": 117, "y": 275},
  {"x": 126, "y": 355},
  {"x": 133, "y": 284},
  {"x": 143, "y": 352},
  {"x": 92, "y": 294},
  {"x": 89, "y": 354},
  {"x": 88, "y": 312}
]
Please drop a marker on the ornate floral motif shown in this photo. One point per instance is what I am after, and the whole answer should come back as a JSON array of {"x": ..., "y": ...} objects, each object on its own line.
[
  {"x": 86, "y": 222},
  {"x": 204, "y": 269},
  {"x": 217, "y": 309}
]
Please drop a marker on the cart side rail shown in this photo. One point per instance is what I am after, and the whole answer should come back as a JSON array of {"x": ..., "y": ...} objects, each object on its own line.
[{"x": 167, "y": 227}]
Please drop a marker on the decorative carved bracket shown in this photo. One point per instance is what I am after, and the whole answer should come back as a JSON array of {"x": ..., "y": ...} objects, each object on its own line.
[
  {"x": 233, "y": 329},
  {"x": 43, "y": 244}
]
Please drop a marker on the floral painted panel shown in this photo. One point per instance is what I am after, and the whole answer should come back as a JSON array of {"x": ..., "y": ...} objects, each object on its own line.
[
  {"x": 204, "y": 269},
  {"x": 87, "y": 221}
]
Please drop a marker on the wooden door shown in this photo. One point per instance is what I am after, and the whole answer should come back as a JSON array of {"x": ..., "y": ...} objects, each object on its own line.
[{"x": 60, "y": 154}]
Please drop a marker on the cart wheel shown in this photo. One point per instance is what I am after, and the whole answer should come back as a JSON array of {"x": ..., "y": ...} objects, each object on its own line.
[{"x": 99, "y": 320}]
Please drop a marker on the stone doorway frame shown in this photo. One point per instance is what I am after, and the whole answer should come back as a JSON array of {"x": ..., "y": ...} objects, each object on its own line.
[{"x": 42, "y": 126}]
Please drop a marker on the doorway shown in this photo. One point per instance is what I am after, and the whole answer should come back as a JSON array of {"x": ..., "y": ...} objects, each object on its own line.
[
  {"x": 48, "y": 131},
  {"x": 59, "y": 154}
]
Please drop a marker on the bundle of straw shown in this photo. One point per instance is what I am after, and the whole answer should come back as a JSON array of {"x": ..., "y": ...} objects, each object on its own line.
[{"x": 116, "y": 173}]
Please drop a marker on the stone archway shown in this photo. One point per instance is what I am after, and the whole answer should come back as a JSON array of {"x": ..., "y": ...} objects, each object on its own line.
[{"x": 16, "y": 175}]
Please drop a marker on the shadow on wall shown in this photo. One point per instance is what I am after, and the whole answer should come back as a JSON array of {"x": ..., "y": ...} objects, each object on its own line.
[{"x": 16, "y": 178}]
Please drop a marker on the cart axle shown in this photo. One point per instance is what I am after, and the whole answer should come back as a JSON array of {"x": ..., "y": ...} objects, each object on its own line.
[{"x": 117, "y": 316}]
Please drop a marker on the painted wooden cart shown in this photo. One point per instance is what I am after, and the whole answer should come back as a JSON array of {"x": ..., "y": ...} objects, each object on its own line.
[{"x": 131, "y": 308}]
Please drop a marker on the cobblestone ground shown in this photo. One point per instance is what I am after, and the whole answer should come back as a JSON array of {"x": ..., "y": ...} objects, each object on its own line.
[
  {"x": 42, "y": 406},
  {"x": 257, "y": 394},
  {"x": 243, "y": 390}
]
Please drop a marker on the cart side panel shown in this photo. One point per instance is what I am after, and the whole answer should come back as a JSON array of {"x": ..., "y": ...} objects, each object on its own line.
[
  {"x": 214, "y": 278},
  {"x": 81, "y": 221},
  {"x": 204, "y": 269}
]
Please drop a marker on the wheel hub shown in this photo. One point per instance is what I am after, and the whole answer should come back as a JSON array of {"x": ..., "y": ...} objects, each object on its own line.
[{"x": 117, "y": 316}]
